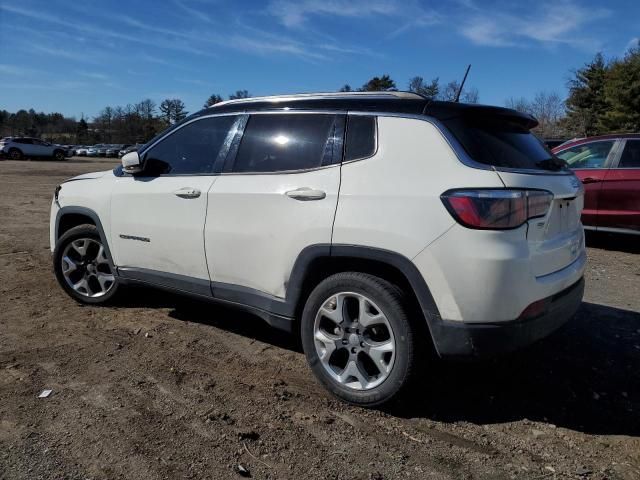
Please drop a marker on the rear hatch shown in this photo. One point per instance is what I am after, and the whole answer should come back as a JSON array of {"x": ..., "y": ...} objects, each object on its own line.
[{"x": 500, "y": 139}]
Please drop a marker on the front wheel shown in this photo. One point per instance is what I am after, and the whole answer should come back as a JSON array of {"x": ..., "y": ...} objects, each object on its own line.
[
  {"x": 358, "y": 339},
  {"x": 82, "y": 266},
  {"x": 58, "y": 155}
]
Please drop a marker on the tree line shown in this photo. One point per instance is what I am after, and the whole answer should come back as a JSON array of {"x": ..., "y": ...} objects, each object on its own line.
[{"x": 603, "y": 97}]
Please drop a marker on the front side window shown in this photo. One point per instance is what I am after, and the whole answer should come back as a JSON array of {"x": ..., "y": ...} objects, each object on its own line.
[
  {"x": 285, "y": 142},
  {"x": 588, "y": 155},
  {"x": 631, "y": 155},
  {"x": 191, "y": 149},
  {"x": 361, "y": 137}
]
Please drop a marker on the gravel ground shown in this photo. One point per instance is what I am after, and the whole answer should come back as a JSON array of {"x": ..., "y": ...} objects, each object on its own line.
[{"x": 162, "y": 387}]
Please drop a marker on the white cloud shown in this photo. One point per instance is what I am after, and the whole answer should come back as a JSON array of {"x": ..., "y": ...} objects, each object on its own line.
[
  {"x": 94, "y": 75},
  {"x": 16, "y": 70},
  {"x": 295, "y": 13},
  {"x": 633, "y": 43},
  {"x": 551, "y": 23},
  {"x": 194, "y": 12}
]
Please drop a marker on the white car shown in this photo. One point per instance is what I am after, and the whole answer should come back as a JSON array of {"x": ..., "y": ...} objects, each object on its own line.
[
  {"x": 17, "y": 148},
  {"x": 81, "y": 151},
  {"x": 377, "y": 225},
  {"x": 93, "y": 151}
]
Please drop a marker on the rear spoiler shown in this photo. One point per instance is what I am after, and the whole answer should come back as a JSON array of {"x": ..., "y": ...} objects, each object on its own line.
[{"x": 449, "y": 110}]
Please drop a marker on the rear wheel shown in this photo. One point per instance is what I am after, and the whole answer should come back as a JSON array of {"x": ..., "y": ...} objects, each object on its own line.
[
  {"x": 82, "y": 266},
  {"x": 58, "y": 155},
  {"x": 15, "y": 154},
  {"x": 357, "y": 338}
]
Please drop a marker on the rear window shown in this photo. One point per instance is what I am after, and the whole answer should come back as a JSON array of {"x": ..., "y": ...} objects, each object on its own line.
[{"x": 502, "y": 143}]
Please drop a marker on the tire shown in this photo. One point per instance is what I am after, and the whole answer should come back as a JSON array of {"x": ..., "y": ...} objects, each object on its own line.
[
  {"x": 381, "y": 299},
  {"x": 59, "y": 156},
  {"x": 15, "y": 154},
  {"x": 72, "y": 267}
]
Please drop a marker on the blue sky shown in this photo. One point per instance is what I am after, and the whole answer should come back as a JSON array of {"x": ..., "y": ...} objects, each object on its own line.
[{"x": 78, "y": 56}]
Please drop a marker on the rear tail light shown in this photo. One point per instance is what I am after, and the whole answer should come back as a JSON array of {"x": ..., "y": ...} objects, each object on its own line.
[{"x": 496, "y": 209}]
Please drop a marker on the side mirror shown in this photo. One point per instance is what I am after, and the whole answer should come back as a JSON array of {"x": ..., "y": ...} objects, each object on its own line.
[{"x": 131, "y": 163}]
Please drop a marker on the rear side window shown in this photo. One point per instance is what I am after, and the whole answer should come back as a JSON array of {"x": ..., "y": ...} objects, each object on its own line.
[
  {"x": 285, "y": 142},
  {"x": 360, "y": 138},
  {"x": 191, "y": 149},
  {"x": 588, "y": 155},
  {"x": 502, "y": 142},
  {"x": 631, "y": 155}
]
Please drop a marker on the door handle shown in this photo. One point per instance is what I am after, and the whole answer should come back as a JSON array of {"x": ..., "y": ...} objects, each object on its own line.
[
  {"x": 187, "y": 192},
  {"x": 590, "y": 180},
  {"x": 305, "y": 194}
]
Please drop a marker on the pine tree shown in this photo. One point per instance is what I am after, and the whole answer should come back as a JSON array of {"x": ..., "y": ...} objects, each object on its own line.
[
  {"x": 379, "y": 84},
  {"x": 586, "y": 104},
  {"x": 622, "y": 94},
  {"x": 212, "y": 100}
]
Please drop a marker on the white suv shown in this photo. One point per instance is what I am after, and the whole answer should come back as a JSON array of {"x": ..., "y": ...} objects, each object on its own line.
[
  {"x": 17, "y": 148},
  {"x": 380, "y": 226}
]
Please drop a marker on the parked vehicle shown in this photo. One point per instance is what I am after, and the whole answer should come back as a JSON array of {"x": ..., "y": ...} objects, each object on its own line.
[
  {"x": 609, "y": 168},
  {"x": 128, "y": 148},
  {"x": 93, "y": 151},
  {"x": 553, "y": 142},
  {"x": 381, "y": 224},
  {"x": 17, "y": 148},
  {"x": 102, "y": 151},
  {"x": 113, "y": 150},
  {"x": 81, "y": 151}
]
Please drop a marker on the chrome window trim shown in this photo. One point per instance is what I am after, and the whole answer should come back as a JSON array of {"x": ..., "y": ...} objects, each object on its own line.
[{"x": 453, "y": 143}]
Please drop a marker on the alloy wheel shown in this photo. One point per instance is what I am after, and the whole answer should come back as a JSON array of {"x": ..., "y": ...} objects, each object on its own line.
[
  {"x": 354, "y": 341},
  {"x": 86, "y": 268}
]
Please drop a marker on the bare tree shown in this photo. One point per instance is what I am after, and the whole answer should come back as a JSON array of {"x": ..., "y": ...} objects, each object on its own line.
[
  {"x": 548, "y": 108},
  {"x": 519, "y": 104},
  {"x": 429, "y": 90}
]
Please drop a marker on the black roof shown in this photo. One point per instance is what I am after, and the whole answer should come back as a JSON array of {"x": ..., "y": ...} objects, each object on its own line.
[{"x": 387, "y": 102}]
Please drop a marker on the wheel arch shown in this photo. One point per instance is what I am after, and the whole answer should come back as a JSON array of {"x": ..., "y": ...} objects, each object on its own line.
[
  {"x": 317, "y": 262},
  {"x": 73, "y": 216}
]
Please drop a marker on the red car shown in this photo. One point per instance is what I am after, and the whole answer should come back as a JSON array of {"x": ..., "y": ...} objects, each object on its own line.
[{"x": 609, "y": 167}]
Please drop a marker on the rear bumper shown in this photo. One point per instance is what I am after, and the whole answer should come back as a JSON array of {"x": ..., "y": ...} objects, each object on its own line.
[{"x": 458, "y": 339}]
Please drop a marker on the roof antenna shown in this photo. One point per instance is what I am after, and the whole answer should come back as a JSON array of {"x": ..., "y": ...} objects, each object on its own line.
[{"x": 457, "y": 100}]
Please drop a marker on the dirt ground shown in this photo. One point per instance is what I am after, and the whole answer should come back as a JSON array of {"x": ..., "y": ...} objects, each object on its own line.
[{"x": 161, "y": 387}]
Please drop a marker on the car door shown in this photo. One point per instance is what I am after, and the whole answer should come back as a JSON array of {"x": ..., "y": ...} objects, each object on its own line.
[
  {"x": 619, "y": 206},
  {"x": 44, "y": 149},
  {"x": 277, "y": 195},
  {"x": 29, "y": 149},
  {"x": 158, "y": 216},
  {"x": 590, "y": 162}
]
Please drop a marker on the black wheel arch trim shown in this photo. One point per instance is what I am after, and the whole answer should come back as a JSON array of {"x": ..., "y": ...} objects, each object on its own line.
[{"x": 96, "y": 220}]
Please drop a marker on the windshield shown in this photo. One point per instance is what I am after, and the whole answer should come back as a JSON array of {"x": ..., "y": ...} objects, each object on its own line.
[{"x": 503, "y": 143}]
